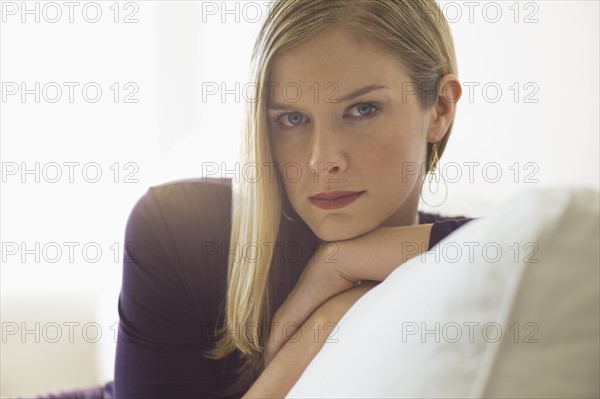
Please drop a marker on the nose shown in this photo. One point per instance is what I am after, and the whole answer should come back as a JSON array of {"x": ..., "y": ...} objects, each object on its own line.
[{"x": 327, "y": 157}]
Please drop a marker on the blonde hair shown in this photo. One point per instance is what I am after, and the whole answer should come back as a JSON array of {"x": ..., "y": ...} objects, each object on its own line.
[{"x": 417, "y": 35}]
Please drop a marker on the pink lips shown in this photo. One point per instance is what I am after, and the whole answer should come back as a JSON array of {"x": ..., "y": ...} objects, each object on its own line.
[{"x": 335, "y": 199}]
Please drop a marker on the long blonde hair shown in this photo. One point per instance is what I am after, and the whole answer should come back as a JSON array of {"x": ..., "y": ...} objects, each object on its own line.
[{"x": 417, "y": 35}]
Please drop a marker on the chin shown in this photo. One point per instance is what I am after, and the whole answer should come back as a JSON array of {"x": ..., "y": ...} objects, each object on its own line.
[
  {"x": 339, "y": 227},
  {"x": 338, "y": 237},
  {"x": 342, "y": 234}
]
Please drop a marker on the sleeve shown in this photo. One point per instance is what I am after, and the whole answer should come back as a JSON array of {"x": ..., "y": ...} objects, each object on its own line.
[
  {"x": 162, "y": 331},
  {"x": 443, "y": 228}
]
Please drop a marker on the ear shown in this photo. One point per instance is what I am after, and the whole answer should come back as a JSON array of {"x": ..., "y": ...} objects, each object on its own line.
[{"x": 443, "y": 111}]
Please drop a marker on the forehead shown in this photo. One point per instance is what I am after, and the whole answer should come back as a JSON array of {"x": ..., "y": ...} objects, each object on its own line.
[{"x": 335, "y": 57}]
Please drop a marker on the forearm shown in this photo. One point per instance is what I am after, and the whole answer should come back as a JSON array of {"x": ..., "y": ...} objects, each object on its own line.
[
  {"x": 289, "y": 363},
  {"x": 292, "y": 359},
  {"x": 375, "y": 255}
]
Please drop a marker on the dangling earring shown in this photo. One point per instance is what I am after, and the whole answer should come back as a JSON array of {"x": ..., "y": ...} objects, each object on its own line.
[{"x": 432, "y": 171}]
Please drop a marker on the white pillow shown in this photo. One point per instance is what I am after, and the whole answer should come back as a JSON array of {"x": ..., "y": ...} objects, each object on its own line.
[{"x": 550, "y": 308}]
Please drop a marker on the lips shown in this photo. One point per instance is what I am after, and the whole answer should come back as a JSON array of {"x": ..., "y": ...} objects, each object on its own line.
[
  {"x": 338, "y": 199},
  {"x": 335, "y": 194}
]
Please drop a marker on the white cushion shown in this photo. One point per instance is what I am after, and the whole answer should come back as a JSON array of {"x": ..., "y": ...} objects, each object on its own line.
[{"x": 523, "y": 322}]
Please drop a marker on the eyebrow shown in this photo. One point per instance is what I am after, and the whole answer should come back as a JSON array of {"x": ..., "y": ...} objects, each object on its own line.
[{"x": 351, "y": 96}]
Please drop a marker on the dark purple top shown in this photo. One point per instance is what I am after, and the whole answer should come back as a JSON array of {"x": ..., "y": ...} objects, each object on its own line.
[{"x": 174, "y": 284}]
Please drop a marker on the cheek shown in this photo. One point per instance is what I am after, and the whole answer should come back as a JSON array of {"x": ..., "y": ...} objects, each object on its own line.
[
  {"x": 292, "y": 165},
  {"x": 279, "y": 156},
  {"x": 282, "y": 153},
  {"x": 289, "y": 169},
  {"x": 391, "y": 160},
  {"x": 389, "y": 152}
]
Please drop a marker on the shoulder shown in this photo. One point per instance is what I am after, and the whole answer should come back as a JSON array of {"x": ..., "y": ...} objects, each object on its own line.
[
  {"x": 443, "y": 226},
  {"x": 177, "y": 237},
  {"x": 426, "y": 217},
  {"x": 197, "y": 184},
  {"x": 177, "y": 222},
  {"x": 173, "y": 288},
  {"x": 189, "y": 194},
  {"x": 186, "y": 204},
  {"x": 174, "y": 225}
]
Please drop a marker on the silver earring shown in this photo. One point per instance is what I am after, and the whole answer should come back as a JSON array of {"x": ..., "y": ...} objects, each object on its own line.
[{"x": 430, "y": 177}]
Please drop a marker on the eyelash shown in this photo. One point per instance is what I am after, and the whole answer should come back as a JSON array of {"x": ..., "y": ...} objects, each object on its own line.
[{"x": 375, "y": 106}]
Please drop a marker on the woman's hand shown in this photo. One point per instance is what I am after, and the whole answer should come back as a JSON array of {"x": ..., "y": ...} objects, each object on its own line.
[
  {"x": 338, "y": 266},
  {"x": 291, "y": 360},
  {"x": 323, "y": 277}
]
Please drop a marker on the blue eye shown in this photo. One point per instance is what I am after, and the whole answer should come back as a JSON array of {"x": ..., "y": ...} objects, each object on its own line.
[
  {"x": 291, "y": 120},
  {"x": 365, "y": 110},
  {"x": 294, "y": 118}
]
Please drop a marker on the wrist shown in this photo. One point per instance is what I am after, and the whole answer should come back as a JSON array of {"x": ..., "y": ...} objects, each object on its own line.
[
  {"x": 342, "y": 260},
  {"x": 332, "y": 266},
  {"x": 373, "y": 256}
]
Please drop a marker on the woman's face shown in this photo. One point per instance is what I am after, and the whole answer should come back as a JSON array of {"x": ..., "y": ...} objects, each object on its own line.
[{"x": 343, "y": 117}]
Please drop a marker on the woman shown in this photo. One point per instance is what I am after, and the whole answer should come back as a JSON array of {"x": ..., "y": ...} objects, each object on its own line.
[{"x": 354, "y": 104}]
